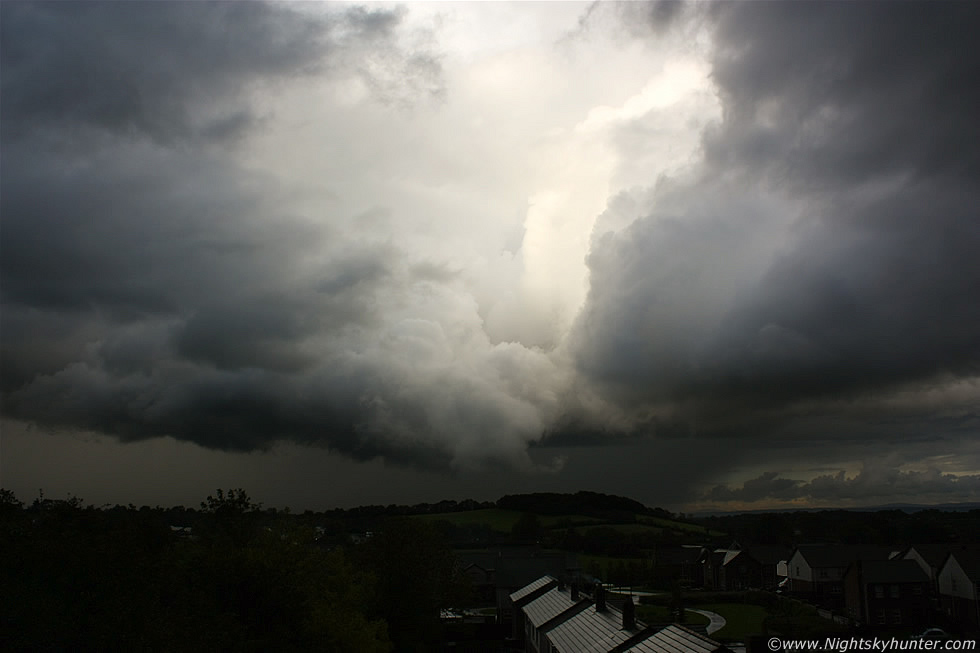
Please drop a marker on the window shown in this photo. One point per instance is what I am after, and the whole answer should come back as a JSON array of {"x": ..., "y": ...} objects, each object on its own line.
[
  {"x": 917, "y": 590},
  {"x": 895, "y": 591},
  {"x": 880, "y": 617},
  {"x": 824, "y": 574},
  {"x": 879, "y": 591},
  {"x": 895, "y": 616},
  {"x": 836, "y": 588}
]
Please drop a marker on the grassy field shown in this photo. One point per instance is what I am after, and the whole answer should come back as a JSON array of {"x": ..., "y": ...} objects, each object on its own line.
[
  {"x": 635, "y": 528},
  {"x": 576, "y": 521},
  {"x": 501, "y": 521},
  {"x": 683, "y": 527},
  {"x": 741, "y": 620},
  {"x": 588, "y": 562}
]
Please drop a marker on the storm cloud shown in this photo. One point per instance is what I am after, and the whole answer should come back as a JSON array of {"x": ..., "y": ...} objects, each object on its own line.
[
  {"x": 455, "y": 237},
  {"x": 823, "y": 248},
  {"x": 154, "y": 285}
]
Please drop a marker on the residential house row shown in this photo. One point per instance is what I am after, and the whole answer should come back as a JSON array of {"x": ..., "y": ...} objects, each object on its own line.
[
  {"x": 880, "y": 587},
  {"x": 554, "y": 618}
]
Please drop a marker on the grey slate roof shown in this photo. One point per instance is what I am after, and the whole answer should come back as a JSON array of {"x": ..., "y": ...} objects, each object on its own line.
[
  {"x": 549, "y": 605},
  {"x": 819, "y": 555},
  {"x": 933, "y": 554},
  {"x": 770, "y": 555},
  {"x": 590, "y": 632},
  {"x": 515, "y": 567},
  {"x": 676, "y": 639},
  {"x": 527, "y": 590},
  {"x": 893, "y": 571},
  {"x": 970, "y": 563},
  {"x": 677, "y": 555},
  {"x": 576, "y": 626}
]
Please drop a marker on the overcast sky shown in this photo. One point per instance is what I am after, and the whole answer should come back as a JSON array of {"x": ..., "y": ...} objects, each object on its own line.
[{"x": 706, "y": 255}]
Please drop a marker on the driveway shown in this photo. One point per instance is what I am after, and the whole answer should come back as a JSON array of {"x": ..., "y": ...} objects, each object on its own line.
[{"x": 717, "y": 621}]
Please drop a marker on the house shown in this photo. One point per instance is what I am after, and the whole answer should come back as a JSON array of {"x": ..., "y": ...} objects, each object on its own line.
[
  {"x": 769, "y": 559},
  {"x": 959, "y": 586},
  {"x": 887, "y": 593},
  {"x": 680, "y": 564},
  {"x": 504, "y": 570},
  {"x": 522, "y": 597},
  {"x": 930, "y": 558},
  {"x": 547, "y": 611},
  {"x": 481, "y": 580},
  {"x": 599, "y": 628},
  {"x": 184, "y": 532},
  {"x": 712, "y": 562},
  {"x": 738, "y": 568},
  {"x": 816, "y": 571},
  {"x": 562, "y": 619},
  {"x": 739, "y": 571}
]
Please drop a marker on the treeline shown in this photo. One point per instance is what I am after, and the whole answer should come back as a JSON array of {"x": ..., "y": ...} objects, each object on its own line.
[
  {"x": 76, "y": 577},
  {"x": 590, "y": 504},
  {"x": 882, "y": 527}
]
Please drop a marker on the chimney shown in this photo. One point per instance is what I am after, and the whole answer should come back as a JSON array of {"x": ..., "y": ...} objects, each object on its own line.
[
  {"x": 575, "y": 590},
  {"x": 561, "y": 584},
  {"x": 600, "y": 597},
  {"x": 629, "y": 614}
]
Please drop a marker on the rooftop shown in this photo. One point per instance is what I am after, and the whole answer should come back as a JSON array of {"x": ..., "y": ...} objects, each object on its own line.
[
  {"x": 591, "y": 631},
  {"x": 577, "y": 627},
  {"x": 529, "y": 589},
  {"x": 893, "y": 571},
  {"x": 969, "y": 561},
  {"x": 549, "y": 605},
  {"x": 841, "y": 555},
  {"x": 676, "y": 639},
  {"x": 770, "y": 555}
]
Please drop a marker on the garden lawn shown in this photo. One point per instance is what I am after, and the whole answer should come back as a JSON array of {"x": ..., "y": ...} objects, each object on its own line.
[
  {"x": 741, "y": 620},
  {"x": 661, "y": 614}
]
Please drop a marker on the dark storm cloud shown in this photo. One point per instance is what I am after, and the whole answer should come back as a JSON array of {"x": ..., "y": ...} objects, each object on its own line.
[
  {"x": 830, "y": 94},
  {"x": 818, "y": 262},
  {"x": 173, "y": 70},
  {"x": 151, "y": 284},
  {"x": 107, "y": 228},
  {"x": 179, "y": 71},
  {"x": 826, "y": 247}
]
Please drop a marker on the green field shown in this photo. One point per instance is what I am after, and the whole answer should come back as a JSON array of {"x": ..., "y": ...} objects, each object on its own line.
[
  {"x": 683, "y": 527},
  {"x": 588, "y": 563},
  {"x": 501, "y": 521},
  {"x": 561, "y": 521},
  {"x": 634, "y": 528}
]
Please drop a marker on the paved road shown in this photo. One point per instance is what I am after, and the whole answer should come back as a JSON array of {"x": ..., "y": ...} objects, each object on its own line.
[{"x": 717, "y": 621}]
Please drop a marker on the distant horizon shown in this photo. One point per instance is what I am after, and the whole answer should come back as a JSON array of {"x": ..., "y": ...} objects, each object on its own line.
[
  {"x": 101, "y": 499},
  {"x": 708, "y": 255}
]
